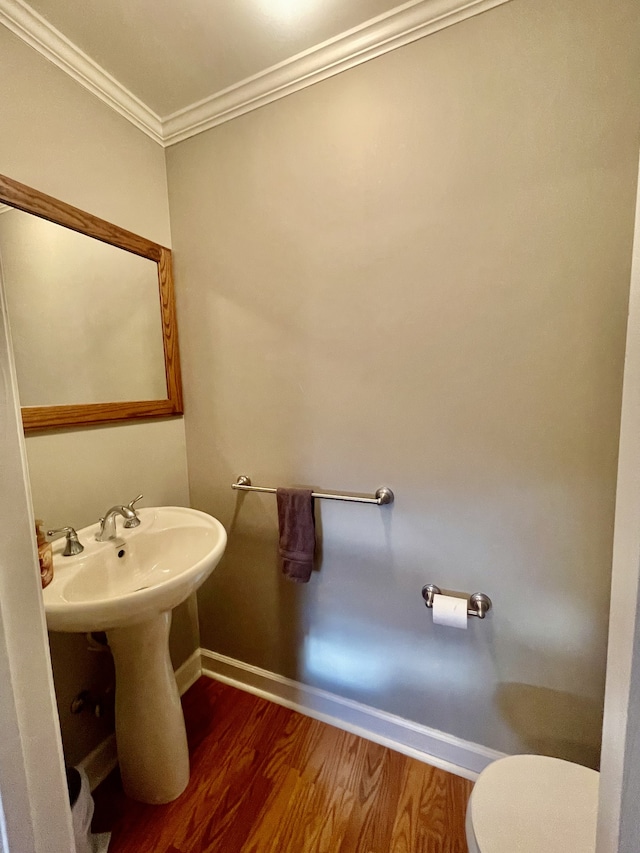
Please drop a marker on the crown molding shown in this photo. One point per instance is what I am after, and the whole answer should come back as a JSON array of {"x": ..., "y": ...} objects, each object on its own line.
[
  {"x": 39, "y": 34},
  {"x": 401, "y": 26},
  {"x": 406, "y": 23}
]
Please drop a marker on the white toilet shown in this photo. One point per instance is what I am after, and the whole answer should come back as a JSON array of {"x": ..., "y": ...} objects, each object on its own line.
[{"x": 533, "y": 804}]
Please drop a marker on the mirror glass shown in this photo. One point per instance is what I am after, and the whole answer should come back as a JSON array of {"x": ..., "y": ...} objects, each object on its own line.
[{"x": 85, "y": 315}]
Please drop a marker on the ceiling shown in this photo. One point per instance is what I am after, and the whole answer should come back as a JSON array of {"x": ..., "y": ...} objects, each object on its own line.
[
  {"x": 172, "y": 53},
  {"x": 177, "y": 67}
]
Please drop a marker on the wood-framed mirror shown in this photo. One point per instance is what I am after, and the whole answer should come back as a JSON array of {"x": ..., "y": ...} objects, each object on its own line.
[{"x": 93, "y": 321}]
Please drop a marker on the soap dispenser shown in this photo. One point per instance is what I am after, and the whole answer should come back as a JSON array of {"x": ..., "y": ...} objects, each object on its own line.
[{"x": 45, "y": 554}]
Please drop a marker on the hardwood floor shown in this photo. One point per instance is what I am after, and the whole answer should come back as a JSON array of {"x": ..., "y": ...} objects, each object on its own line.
[{"x": 268, "y": 780}]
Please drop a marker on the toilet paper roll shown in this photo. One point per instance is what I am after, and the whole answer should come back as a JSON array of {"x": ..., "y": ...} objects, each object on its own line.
[{"x": 449, "y": 610}]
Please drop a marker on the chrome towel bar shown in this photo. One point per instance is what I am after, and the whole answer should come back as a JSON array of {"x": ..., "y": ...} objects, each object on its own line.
[{"x": 382, "y": 496}]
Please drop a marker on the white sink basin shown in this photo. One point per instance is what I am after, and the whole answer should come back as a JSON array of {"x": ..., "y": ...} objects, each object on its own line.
[
  {"x": 128, "y": 587},
  {"x": 143, "y": 572}
]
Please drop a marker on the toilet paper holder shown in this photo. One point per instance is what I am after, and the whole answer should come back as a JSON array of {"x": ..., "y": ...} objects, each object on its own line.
[{"x": 479, "y": 603}]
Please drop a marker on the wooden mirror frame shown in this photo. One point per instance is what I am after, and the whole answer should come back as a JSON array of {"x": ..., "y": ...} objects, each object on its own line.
[{"x": 35, "y": 418}]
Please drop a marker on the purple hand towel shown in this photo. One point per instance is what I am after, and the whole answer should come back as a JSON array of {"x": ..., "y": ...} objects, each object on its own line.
[{"x": 297, "y": 533}]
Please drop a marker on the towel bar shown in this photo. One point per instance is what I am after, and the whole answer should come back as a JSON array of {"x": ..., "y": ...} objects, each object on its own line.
[{"x": 383, "y": 495}]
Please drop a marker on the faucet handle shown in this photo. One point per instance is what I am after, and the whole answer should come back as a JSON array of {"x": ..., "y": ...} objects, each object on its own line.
[
  {"x": 135, "y": 501},
  {"x": 133, "y": 522},
  {"x": 73, "y": 545}
]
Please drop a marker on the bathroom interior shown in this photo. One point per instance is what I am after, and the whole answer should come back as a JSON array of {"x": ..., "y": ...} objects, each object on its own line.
[{"x": 411, "y": 271}]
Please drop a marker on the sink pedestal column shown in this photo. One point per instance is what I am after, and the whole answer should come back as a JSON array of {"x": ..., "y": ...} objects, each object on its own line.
[{"x": 150, "y": 732}]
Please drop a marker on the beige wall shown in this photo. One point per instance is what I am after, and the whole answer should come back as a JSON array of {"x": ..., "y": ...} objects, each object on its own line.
[
  {"x": 416, "y": 274},
  {"x": 62, "y": 140}
]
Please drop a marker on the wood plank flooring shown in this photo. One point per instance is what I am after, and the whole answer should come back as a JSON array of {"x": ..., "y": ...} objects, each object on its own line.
[{"x": 268, "y": 780}]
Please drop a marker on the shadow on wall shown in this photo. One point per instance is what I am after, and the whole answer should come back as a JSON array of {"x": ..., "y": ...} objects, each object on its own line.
[
  {"x": 534, "y": 712},
  {"x": 76, "y": 668},
  {"x": 250, "y": 613}
]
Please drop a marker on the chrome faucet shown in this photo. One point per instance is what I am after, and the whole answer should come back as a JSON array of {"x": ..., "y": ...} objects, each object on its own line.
[{"x": 108, "y": 523}]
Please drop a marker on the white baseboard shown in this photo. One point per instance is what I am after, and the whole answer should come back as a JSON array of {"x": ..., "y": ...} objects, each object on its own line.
[
  {"x": 104, "y": 758},
  {"x": 434, "y": 747},
  {"x": 189, "y": 672},
  {"x": 440, "y": 749},
  {"x": 100, "y": 762}
]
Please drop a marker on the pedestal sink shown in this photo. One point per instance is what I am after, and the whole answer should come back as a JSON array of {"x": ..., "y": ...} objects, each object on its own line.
[{"x": 128, "y": 588}]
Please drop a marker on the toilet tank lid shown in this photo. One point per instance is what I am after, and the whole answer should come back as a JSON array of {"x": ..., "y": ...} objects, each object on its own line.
[{"x": 534, "y": 803}]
